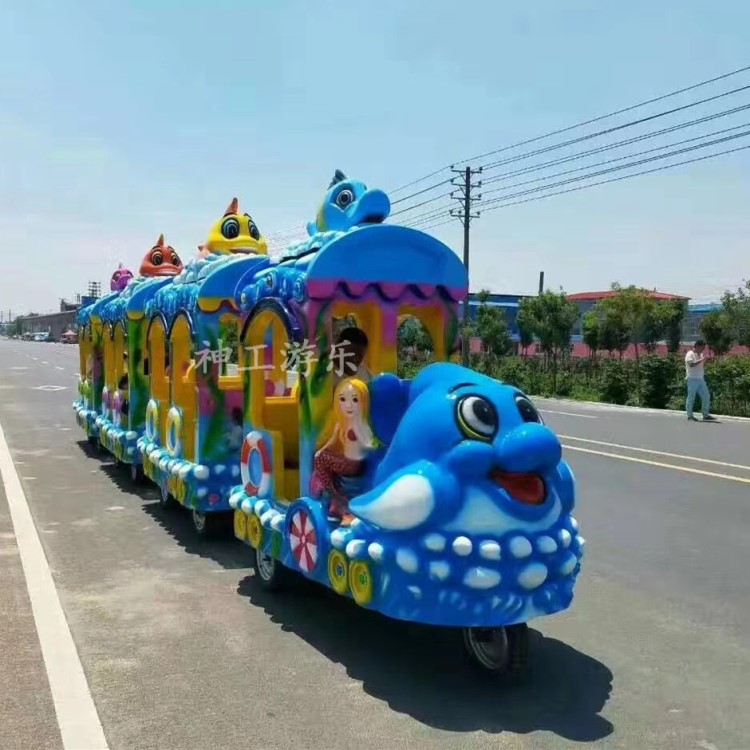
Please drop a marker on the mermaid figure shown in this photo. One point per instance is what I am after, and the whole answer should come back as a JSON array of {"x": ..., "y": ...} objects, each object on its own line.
[{"x": 342, "y": 457}]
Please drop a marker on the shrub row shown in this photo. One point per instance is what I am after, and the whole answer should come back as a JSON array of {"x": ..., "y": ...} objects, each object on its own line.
[{"x": 656, "y": 381}]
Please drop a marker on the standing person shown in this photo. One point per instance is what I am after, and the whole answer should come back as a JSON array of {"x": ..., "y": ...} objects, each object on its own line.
[{"x": 696, "y": 383}]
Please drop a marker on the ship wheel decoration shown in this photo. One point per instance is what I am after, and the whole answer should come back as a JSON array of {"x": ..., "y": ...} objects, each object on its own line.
[{"x": 303, "y": 541}]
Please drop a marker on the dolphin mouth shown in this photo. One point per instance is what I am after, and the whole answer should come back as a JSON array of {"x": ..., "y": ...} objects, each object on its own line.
[
  {"x": 373, "y": 219},
  {"x": 526, "y": 488}
]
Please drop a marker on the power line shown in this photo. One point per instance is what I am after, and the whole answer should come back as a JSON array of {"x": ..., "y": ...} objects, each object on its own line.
[
  {"x": 439, "y": 214},
  {"x": 570, "y": 142},
  {"x": 616, "y": 144},
  {"x": 627, "y": 156},
  {"x": 429, "y": 214},
  {"x": 424, "y": 190},
  {"x": 615, "y": 128},
  {"x": 621, "y": 166},
  {"x": 576, "y": 125},
  {"x": 596, "y": 184},
  {"x": 423, "y": 203}
]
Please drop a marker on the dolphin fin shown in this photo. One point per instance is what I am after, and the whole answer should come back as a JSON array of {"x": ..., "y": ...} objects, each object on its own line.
[{"x": 403, "y": 501}]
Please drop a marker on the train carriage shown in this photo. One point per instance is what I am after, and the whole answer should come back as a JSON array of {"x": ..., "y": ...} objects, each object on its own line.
[
  {"x": 89, "y": 407},
  {"x": 267, "y": 391},
  {"x": 189, "y": 448},
  {"x": 457, "y": 508}
]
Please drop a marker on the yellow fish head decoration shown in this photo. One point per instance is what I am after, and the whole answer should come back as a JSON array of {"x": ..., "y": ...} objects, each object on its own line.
[{"x": 235, "y": 233}]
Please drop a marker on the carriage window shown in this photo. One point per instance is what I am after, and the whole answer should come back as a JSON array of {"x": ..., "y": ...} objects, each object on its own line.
[
  {"x": 268, "y": 358},
  {"x": 415, "y": 347},
  {"x": 182, "y": 360},
  {"x": 159, "y": 365},
  {"x": 110, "y": 364},
  {"x": 229, "y": 352}
]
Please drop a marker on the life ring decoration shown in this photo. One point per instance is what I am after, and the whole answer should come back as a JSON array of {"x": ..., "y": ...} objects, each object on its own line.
[
  {"x": 116, "y": 408},
  {"x": 152, "y": 421},
  {"x": 105, "y": 401},
  {"x": 255, "y": 443},
  {"x": 174, "y": 432}
]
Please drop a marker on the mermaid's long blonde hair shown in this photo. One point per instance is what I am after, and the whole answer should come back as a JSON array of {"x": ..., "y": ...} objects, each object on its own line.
[{"x": 336, "y": 418}]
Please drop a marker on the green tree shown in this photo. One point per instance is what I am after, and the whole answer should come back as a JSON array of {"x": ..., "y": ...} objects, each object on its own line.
[
  {"x": 525, "y": 328},
  {"x": 613, "y": 331},
  {"x": 551, "y": 318},
  {"x": 673, "y": 313},
  {"x": 637, "y": 313},
  {"x": 491, "y": 327},
  {"x": 736, "y": 306},
  {"x": 413, "y": 335},
  {"x": 590, "y": 331},
  {"x": 716, "y": 328}
]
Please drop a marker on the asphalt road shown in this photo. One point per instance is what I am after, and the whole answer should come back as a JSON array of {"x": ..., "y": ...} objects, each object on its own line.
[{"x": 181, "y": 649}]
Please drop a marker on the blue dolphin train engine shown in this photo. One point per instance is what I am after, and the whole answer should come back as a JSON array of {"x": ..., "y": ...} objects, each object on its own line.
[{"x": 443, "y": 499}]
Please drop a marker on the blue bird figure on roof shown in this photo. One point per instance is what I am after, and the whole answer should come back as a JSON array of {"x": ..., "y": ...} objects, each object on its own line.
[{"x": 347, "y": 204}]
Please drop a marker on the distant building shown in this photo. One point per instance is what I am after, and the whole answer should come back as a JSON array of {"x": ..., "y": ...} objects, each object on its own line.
[
  {"x": 58, "y": 322},
  {"x": 691, "y": 325},
  {"x": 508, "y": 303},
  {"x": 588, "y": 300}
]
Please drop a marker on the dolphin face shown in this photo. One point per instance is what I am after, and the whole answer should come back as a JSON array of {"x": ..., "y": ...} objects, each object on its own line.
[
  {"x": 350, "y": 203},
  {"x": 472, "y": 497}
]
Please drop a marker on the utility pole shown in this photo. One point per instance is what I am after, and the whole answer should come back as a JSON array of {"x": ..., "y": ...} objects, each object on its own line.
[
  {"x": 541, "y": 283},
  {"x": 463, "y": 181}
]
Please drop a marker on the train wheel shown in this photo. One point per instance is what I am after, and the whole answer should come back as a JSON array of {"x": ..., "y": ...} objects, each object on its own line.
[
  {"x": 209, "y": 524},
  {"x": 360, "y": 582},
  {"x": 271, "y": 574},
  {"x": 165, "y": 499},
  {"x": 338, "y": 572},
  {"x": 136, "y": 473},
  {"x": 240, "y": 525},
  {"x": 500, "y": 651}
]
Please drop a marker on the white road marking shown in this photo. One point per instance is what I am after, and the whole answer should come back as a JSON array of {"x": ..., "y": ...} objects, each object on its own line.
[
  {"x": 656, "y": 453},
  {"x": 568, "y": 414},
  {"x": 57, "y": 367},
  {"x": 44, "y": 362},
  {"x": 744, "y": 480},
  {"x": 19, "y": 368},
  {"x": 50, "y": 387},
  {"x": 77, "y": 717}
]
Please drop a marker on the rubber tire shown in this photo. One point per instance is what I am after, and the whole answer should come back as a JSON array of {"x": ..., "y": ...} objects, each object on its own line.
[
  {"x": 279, "y": 577},
  {"x": 165, "y": 499},
  {"x": 211, "y": 525},
  {"x": 515, "y": 667}
]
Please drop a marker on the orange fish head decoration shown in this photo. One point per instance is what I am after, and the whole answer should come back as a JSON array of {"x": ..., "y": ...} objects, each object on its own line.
[{"x": 161, "y": 260}]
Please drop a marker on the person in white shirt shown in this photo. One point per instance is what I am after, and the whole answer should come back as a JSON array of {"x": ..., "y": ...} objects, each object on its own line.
[{"x": 696, "y": 383}]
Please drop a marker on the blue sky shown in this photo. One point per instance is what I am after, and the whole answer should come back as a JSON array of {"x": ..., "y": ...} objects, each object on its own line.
[{"x": 119, "y": 121}]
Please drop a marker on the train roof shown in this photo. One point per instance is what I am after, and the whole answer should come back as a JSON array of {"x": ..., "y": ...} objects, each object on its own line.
[
  {"x": 94, "y": 310},
  {"x": 206, "y": 284},
  {"x": 388, "y": 259}
]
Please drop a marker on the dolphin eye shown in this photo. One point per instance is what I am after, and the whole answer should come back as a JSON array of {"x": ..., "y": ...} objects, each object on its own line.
[
  {"x": 230, "y": 229},
  {"x": 254, "y": 231},
  {"x": 477, "y": 418},
  {"x": 345, "y": 198},
  {"x": 527, "y": 410},
  {"x": 157, "y": 258}
]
